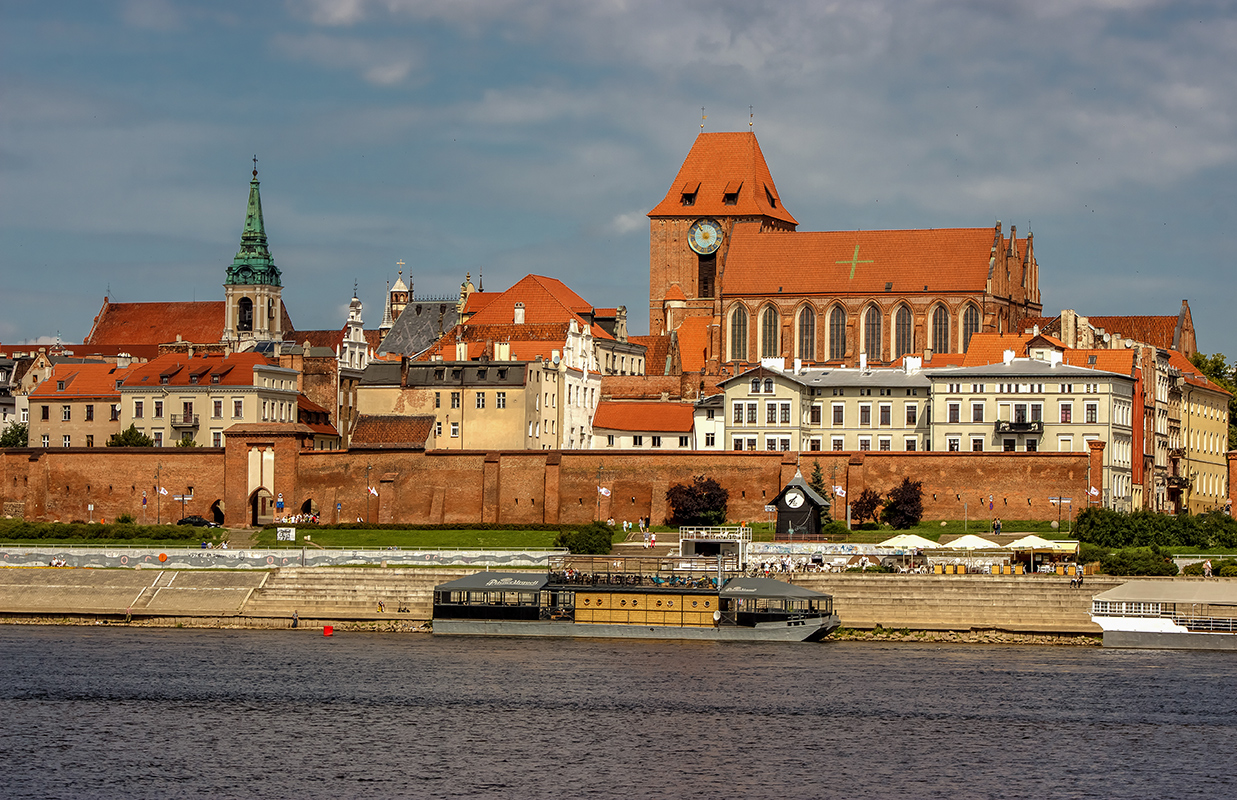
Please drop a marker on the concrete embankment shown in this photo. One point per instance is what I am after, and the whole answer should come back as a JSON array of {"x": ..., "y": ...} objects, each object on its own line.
[{"x": 402, "y": 598}]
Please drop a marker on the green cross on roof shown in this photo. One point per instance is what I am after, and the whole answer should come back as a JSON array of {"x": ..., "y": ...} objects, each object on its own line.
[{"x": 853, "y": 261}]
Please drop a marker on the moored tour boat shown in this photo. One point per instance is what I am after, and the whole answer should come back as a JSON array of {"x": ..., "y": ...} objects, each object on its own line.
[
  {"x": 613, "y": 598},
  {"x": 1169, "y": 615}
]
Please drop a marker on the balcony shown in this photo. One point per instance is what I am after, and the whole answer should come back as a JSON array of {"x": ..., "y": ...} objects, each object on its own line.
[
  {"x": 1002, "y": 426},
  {"x": 1178, "y": 482},
  {"x": 184, "y": 420}
]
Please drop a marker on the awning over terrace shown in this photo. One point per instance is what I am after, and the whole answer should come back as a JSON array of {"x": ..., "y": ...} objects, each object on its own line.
[
  {"x": 767, "y": 588},
  {"x": 496, "y": 582}
]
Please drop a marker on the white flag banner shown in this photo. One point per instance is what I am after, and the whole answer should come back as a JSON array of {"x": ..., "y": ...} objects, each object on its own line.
[
  {"x": 839, "y": 491},
  {"x": 604, "y": 490},
  {"x": 1094, "y": 492},
  {"x": 373, "y": 491},
  {"x": 162, "y": 490}
]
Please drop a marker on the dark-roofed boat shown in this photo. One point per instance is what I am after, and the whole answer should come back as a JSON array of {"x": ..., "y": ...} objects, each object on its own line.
[
  {"x": 1168, "y": 615},
  {"x": 613, "y": 600}
]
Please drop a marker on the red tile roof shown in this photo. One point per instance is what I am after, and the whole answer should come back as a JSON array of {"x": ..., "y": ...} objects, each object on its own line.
[
  {"x": 1157, "y": 331},
  {"x": 643, "y": 416},
  {"x": 546, "y": 300},
  {"x": 328, "y": 339},
  {"x": 391, "y": 431},
  {"x": 235, "y": 370},
  {"x": 721, "y": 163},
  {"x": 989, "y": 348},
  {"x": 1192, "y": 374},
  {"x": 478, "y": 300},
  {"x": 842, "y": 263},
  {"x": 160, "y": 323},
  {"x": 656, "y": 350},
  {"x": 82, "y": 381},
  {"x": 694, "y": 343},
  {"x": 1104, "y": 360}
]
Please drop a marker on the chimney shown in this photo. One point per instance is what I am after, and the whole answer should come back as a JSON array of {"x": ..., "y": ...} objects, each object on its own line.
[
  {"x": 911, "y": 364},
  {"x": 502, "y": 351},
  {"x": 1055, "y": 357},
  {"x": 123, "y": 360},
  {"x": 403, "y": 371},
  {"x": 461, "y": 351},
  {"x": 863, "y": 362},
  {"x": 1008, "y": 356},
  {"x": 519, "y": 314},
  {"x": 927, "y": 355}
]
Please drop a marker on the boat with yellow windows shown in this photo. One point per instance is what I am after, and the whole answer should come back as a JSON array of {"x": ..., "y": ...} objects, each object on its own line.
[{"x": 669, "y": 598}]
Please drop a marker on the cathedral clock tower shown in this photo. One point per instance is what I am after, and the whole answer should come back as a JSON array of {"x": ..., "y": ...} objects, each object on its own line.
[{"x": 254, "y": 308}]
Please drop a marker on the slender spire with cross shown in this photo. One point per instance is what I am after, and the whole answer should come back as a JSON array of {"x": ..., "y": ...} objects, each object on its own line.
[
  {"x": 703, "y": 117},
  {"x": 255, "y": 165}
]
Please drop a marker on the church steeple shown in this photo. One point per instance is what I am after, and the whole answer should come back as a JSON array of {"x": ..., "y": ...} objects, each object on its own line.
[
  {"x": 253, "y": 265},
  {"x": 252, "y": 289}
]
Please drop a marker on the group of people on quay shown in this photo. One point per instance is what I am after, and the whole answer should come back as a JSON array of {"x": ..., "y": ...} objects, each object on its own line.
[{"x": 307, "y": 519}]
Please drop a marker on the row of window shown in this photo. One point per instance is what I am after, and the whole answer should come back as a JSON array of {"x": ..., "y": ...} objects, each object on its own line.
[
  {"x": 901, "y": 342},
  {"x": 238, "y": 409},
  {"x": 777, "y": 412},
  {"x": 910, "y": 444},
  {"x": 655, "y": 442},
  {"x": 216, "y": 438},
  {"x": 500, "y": 400},
  {"x": 66, "y": 413}
]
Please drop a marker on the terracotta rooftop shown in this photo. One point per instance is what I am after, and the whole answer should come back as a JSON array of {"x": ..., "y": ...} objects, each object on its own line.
[
  {"x": 643, "y": 416},
  {"x": 1157, "y": 331},
  {"x": 180, "y": 370},
  {"x": 328, "y": 339},
  {"x": 1192, "y": 374},
  {"x": 1105, "y": 360},
  {"x": 130, "y": 324},
  {"x": 864, "y": 263},
  {"x": 989, "y": 348},
  {"x": 374, "y": 431},
  {"x": 546, "y": 300},
  {"x": 81, "y": 381},
  {"x": 656, "y": 350},
  {"x": 721, "y": 167}
]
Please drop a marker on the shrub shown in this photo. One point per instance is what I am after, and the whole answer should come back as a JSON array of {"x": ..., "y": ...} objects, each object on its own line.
[
  {"x": 592, "y": 539},
  {"x": 130, "y": 437},
  {"x": 16, "y": 434},
  {"x": 905, "y": 506},
  {"x": 702, "y": 502},
  {"x": 1138, "y": 561},
  {"x": 125, "y": 519},
  {"x": 865, "y": 505}
]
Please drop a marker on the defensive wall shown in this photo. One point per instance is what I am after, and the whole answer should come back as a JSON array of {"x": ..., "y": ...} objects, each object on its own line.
[
  {"x": 507, "y": 487},
  {"x": 258, "y": 598}
]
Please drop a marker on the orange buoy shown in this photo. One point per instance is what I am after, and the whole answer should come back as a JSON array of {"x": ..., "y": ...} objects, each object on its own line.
[
  {"x": 327, "y": 630},
  {"x": 163, "y": 556}
]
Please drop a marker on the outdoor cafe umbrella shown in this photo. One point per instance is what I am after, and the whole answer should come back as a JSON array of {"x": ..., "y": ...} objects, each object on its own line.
[
  {"x": 1031, "y": 543},
  {"x": 971, "y": 542},
  {"x": 909, "y": 540}
]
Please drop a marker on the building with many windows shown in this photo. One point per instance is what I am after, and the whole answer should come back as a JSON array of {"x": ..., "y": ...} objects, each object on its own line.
[
  {"x": 643, "y": 425},
  {"x": 78, "y": 405},
  {"x": 1030, "y": 405}
]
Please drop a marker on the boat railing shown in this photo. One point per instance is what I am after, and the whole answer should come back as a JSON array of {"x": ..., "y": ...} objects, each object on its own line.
[
  {"x": 655, "y": 571},
  {"x": 1208, "y": 624}
]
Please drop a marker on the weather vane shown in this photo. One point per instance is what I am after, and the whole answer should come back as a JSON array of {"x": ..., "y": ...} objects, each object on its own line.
[
  {"x": 702, "y": 118},
  {"x": 751, "y": 117}
]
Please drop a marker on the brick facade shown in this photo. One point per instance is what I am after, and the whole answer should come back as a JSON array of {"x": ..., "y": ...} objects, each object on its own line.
[{"x": 511, "y": 486}]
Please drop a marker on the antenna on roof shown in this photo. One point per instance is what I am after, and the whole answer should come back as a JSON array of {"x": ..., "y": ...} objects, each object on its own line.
[
  {"x": 354, "y": 285},
  {"x": 703, "y": 117},
  {"x": 480, "y": 280}
]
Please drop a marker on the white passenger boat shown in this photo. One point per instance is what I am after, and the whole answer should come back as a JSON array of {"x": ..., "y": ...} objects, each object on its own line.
[{"x": 1169, "y": 615}]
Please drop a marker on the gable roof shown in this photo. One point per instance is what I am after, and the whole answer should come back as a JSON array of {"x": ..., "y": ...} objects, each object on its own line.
[
  {"x": 656, "y": 350},
  {"x": 693, "y": 335},
  {"x": 845, "y": 263},
  {"x": 1105, "y": 360},
  {"x": 418, "y": 326},
  {"x": 1157, "y": 331},
  {"x": 158, "y": 323},
  {"x": 546, "y": 300},
  {"x": 81, "y": 381},
  {"x": 1192, "y": 374},
  {"x": 181, "y": 370},
  {"x": 637, "y": 415},
  {"x": 718, "y": 164},
  {"x": 989, "y": 348}
]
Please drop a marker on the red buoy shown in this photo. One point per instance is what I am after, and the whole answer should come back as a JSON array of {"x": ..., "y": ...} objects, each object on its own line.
[{"x": 328, "y": 630}]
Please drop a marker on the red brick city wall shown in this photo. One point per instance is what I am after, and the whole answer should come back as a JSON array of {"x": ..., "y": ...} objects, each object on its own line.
[
  {"x": 522, "y": 486},
  {"x": 61, "y": 484}
]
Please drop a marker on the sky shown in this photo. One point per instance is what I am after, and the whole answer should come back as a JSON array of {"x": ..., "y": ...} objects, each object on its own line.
[{"x": 512, "y": 137}]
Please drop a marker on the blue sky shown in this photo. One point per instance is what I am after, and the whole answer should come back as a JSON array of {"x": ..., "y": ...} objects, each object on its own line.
[{"x": 515, "y": 136}]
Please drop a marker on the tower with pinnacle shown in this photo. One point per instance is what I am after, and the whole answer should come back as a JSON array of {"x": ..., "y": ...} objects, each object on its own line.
[{"x": 253, "y": 307}]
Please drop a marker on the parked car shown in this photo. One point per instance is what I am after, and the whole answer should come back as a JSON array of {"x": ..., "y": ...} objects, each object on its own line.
[{"x": 198, "y": 522}]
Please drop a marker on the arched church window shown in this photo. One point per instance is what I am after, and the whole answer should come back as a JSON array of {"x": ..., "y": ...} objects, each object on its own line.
[
  {"x": 970, "y": 325},
  {"x": 768, "y": 333},
  {"x": 940, "y": 330},
  {"x": 755, "y": 385},
  {"x": 244, "y": 316},
  {"x": 903, "y": 339},
  {"x": 837, "y": 334},
  {"x": 738, "y": 334},
  {"x": 807, "y": 334},
  {"x": 872, "y": 333}
]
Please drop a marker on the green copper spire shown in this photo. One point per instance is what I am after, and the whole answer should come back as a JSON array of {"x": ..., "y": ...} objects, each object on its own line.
[{"x": 253, "y": 264}]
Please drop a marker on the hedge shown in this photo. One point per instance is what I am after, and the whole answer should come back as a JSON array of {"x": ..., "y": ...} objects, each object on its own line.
[
  {"x": 1116, "y": 529},
  {"x": 27, "y": 530}
]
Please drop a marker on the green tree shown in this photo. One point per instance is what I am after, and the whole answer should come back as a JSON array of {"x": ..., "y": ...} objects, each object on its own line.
[
  {"x": 1217, "y": 370},
  {"x": 16, "y": 435},
  {"x": 186, "y": 441},
  {"x": 701, "y": 502},
  {"x": 130, "y": 437},
  {"x": 865, "y": 506},
  {"x": 817, "y": 482},
  {"x": 904, "y": 508},
  {"x": 592, "y": 540}
]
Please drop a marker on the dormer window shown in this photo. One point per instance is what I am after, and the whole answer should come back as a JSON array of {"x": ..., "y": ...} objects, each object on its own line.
[
  {"x": 193, "y": 378},
  {"x": 214, "y": 379},
  {"x": 772, "y": 198},
  {"x": 439, "y": 374},
  {"x": 768, "y": 386},
  {"x": 60, "y": 385},
  {"x": 481, "y": 373},
  {"x": 164, "y": 379},
  {"x": 118, "y": 383},
  {"x": 730, "y": 198},
  {"x": 502, "y": 374},
  {"x": 687, "y": 192},
  {"x": 689, "y": 198}
]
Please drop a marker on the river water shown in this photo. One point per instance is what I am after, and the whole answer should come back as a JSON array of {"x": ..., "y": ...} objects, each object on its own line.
[{"x": 128, "y": 712}]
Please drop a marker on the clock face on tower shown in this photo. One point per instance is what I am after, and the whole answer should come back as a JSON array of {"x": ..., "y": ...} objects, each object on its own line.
[
  {"x": 705, "y": 236},
  {"x": 794, "y": 498}
]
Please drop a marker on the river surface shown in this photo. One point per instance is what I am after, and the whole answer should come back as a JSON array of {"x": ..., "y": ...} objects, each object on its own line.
[{"x": 127, "y": 712}]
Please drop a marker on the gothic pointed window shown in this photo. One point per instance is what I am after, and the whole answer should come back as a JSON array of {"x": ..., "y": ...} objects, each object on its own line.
[
  {"x": 837, "y": 334},
  {"x": 872, "y": 333},
  {"x": 940, "y": 330},
  {"x": 903, "y": 338},
  {"x": 768, "y": 333},
  {"x": 738, "y": 334},
  {"x": 807, "y": 334},
  {"x": 244, "y": 316},
  {"x": 970, "y": 325}
]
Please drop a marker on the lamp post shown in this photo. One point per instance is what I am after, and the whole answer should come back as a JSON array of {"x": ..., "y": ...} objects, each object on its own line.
[
  {"x": 158, "y": 492},
  {"x": 368, "y": 493}
]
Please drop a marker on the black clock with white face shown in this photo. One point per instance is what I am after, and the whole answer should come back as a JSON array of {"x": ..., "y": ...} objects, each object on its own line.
[
  {"x": 794, "y": 498},
  {"x": 705, "y": 236}
]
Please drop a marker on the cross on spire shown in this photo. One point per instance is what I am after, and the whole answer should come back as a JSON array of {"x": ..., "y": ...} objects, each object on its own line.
[{"x": 255, "y": 165}]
